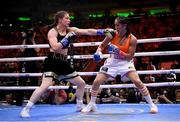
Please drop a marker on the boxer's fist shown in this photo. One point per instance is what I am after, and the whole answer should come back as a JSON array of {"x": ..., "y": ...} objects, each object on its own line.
[
  {"x": 69, "y": 38},
  {"x": 98, "y": 56}
]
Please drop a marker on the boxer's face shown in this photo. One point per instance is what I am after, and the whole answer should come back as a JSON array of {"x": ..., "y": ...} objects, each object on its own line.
[
  {"x": 66, "y": 20},
  {"x": 119, "y": 26}
]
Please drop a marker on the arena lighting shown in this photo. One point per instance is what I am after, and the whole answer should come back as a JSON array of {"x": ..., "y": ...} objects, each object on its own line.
[
  {"x": 124, "y": 14},
  {"x": 24, "y": 18},
  {"x": 96, "y": 15},
  {"x": 72, "y": 17},
  {"x": 158, "y": 11}
]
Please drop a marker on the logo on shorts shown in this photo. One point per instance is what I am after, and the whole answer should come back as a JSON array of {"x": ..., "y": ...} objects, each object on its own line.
[
  {"x": 105, "y": 69},
  {"x": 130, "y": 67}
]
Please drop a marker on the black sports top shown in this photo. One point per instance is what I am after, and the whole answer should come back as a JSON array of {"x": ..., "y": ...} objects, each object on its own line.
[{"x": 59, "y": 37}]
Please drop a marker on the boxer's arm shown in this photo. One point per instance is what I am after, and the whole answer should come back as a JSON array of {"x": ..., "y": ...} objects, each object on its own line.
[
  {"x": 92, "y": 32},
  {"x": 98, "y": 54},
  {"x": 132, "y": 49},
  {"x": 104, "y": 43},
  {"x": 78, "y": 31},
  {"x": 52, "y": 37}
]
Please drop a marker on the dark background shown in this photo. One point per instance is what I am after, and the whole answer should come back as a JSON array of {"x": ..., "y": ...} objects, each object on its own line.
[{"x": 41, "y": 11}]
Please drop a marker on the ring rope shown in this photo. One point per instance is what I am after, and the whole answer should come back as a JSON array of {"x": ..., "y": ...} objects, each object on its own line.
[
  {"x": 166, "y": 39},
  {"x": 161, "y": 53},
  {"x": 89, "y": 73},
  {"x": 85, "y": 44},
  {"x": 22, "y": 59},
  {"x": 89, "y": 86}
]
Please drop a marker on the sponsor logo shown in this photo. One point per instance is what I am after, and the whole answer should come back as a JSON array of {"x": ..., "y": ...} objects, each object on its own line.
[
  {"x": 131, "y": 67},
  {"x": 105, "y": 69}
]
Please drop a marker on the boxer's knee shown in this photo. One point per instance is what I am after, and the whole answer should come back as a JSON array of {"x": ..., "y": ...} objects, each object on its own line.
[{"x": 138, "y": 83}]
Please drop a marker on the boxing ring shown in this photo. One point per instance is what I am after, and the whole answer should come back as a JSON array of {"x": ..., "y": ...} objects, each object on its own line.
[{"x": 106, "y": 112}]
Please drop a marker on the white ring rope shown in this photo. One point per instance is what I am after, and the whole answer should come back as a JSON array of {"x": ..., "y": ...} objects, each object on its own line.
[
  {"x": 22, "y": 59},
  {"x": 85, "y": 44},
  {"x": 88, "y": 73},
  {"x": 89, "y": 86},
  {"x": 166, "y": 39},
  {"x": 161, "y": 53}
]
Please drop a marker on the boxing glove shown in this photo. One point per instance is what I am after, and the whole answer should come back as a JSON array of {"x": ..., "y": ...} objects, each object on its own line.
[
  {"x": 118, "y": 54},
  {"x": 106, "y": 32},
  {"x": 68, "y": 39},
  {"x": 97, "y": 56},
  {"x": 113, "y": 49}
]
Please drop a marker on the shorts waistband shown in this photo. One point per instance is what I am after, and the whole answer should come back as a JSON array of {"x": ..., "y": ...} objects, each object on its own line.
[
  {"x": 59, "y": 56},
  {"x": 114, "y": 57}
]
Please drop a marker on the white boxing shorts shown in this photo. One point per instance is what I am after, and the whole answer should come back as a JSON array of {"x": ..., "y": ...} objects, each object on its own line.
[{"x": 113, "y": 67}]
